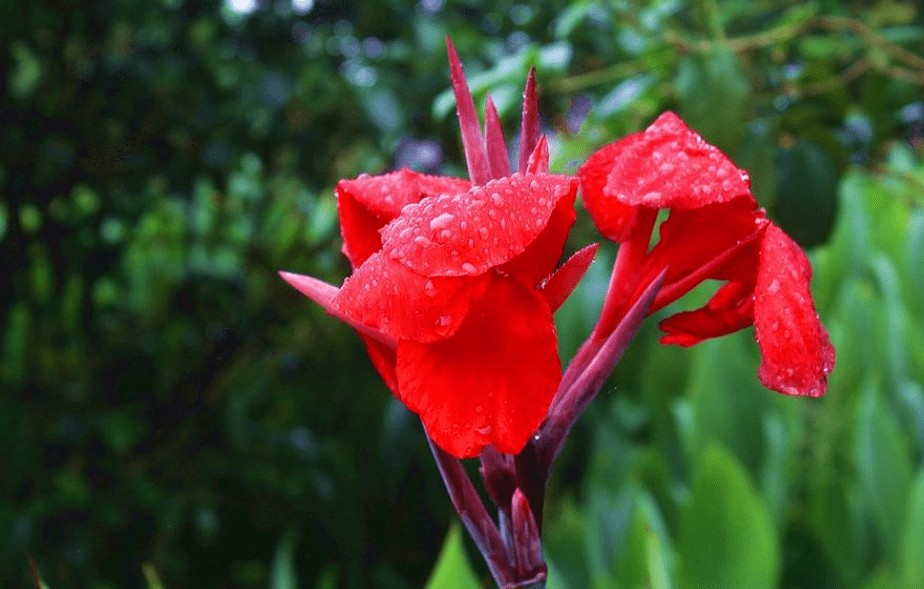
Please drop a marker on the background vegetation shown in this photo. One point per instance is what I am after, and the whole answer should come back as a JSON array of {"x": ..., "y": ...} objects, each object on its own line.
[{"x": 174, "y": 415}]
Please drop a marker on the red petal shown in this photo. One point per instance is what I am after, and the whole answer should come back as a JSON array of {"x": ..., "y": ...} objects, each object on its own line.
[
  {"x": 387, "y": 296},
  {"x": 468, "y": 234},
  {"x": 729, "y": 310},
  {"x": 324, "y": 294},
  {"x": 715, "y": 241},
  {"x": 797, "y": 354},
  {"x": 367, "y": 203},
  {"x": 475, "y": 156},
  {"x": 491, "y": 382},
  {"x": 529, "y": 127},
  {"x": 669, "y": 165},
  {"x": 541, "y": 256},
  {"x": 538, "y": 162},
  {"x": 613, "y": 219},
  {"x": 494, "y": 141},
  {"x": 561, "y": 284}
]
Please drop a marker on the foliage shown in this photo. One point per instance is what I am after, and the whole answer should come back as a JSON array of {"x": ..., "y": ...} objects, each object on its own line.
[{"x": 172, "y": 412}]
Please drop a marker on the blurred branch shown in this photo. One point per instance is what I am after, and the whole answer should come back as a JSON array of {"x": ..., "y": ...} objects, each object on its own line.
[{"x": 912, "y": 68}]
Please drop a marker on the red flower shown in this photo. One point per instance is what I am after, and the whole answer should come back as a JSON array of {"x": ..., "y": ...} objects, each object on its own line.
[
  {"x": 715, "y": 230},
  {"x": 451, "y": 288}
]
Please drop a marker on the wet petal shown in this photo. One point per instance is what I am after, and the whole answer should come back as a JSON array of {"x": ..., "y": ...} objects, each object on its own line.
[
  {"x": 387, "y": 296},
  {"x": 613, "y": 219},
  {"x": 479, "y": 170},
  {"x": 529, "y": 124},
  {"x": 367, "y": 203},
  {"x": 467, "y": 234},
  {"x": 492, "y": 381},
  {"x": 494, "y": 141},
  {"x": 796, "y": 353},
  {"x": 667, "y": 165},
  {"x": 541, "y": 256},
  {"x": 561, "y": 284},
  {"x": 729, "y": 310}
]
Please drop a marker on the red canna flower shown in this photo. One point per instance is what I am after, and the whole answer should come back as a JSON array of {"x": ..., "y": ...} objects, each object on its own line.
[
  {"x": 452, "y": 288},
  {"x": 715, "y": 230}
]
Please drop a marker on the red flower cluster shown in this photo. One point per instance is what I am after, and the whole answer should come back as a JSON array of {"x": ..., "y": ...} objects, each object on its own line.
[
  {"x": 453, "y": 287},
  {"x": 715, "y": 230}
]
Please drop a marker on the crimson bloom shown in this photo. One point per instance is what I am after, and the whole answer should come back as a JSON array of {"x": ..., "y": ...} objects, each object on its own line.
[
  {"x": 452, "y": 288},
  {"x": 715, "y": 230}
]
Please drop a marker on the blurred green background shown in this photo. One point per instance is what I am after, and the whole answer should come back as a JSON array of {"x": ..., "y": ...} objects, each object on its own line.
[{"x": 173, "y": 415}]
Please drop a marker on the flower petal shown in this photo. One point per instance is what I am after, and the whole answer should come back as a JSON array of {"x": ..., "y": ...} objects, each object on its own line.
[
  {"x": 717, "y": 241},
  {"x": 529, "y": 125},
  {"x": 536, "y": 264},
  {"x": 494, "y": 141},
  {"x": 670, "y": 165},
  {"x": 367, "y": 203},
  {"x": 796, "y": 353},
  {"x": 493, "y": 380},
  {"x": 729, "y": 310},
  {"x": 479, "y": 170},
  {"x": 387, "y": 296},
  {"x": 561, "y": 284},
  {"x": 467, "y": 234},
  {"x": 613, "y": 219}
]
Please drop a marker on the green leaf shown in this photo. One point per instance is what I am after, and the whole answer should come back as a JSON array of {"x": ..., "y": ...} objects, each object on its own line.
[
  {"x": 807, "y": 192},
  {"x": 884, "y": 464},
  {"x": 912, "y": 549},
  {"x": 453, "y": 570},
  {"x": 283, "y": 574},
  {"x": 726, "y": 539},
  {"x": 715, "y": 97}
]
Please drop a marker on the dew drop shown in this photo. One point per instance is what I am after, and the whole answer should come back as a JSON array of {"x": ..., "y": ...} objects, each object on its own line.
[
  {"x": 486, "y": 430},
  {"x": 429, "y": 289},
  {"x": 497, "y": 199},
  {"x": 483, "y": 232},
  {"x": 469, "y": 268},
  {"x": 443, "y": 324},
  {"x": 422, "y": 241},
  {"x": 441, "y": 221}
]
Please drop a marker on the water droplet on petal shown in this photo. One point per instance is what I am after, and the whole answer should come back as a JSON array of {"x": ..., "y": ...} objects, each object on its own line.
[
  {"x": 483, "y": 232},
  {"x": 443, "y": 324},
  {"x": 441, "y": 221},
  {"x": 469, "y": 268},
  {"x": 429, "y": 289}
]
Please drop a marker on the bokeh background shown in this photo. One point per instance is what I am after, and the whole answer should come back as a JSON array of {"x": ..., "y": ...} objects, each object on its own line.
[{"x": 172, "y": 415}]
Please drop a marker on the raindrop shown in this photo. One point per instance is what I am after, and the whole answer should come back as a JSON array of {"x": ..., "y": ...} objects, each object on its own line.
[
  {"x": 422, "y": 241},
  {"x": 443, "y": 324},
  {"x": 441, "y": 221},
  {"x": 469, "y": 268},
  {"x": 483, "y": 232},
  {"x": 486, "y": 430},
  {"x": 497, "y": 199},
  {"x": 429, "y": 289}
]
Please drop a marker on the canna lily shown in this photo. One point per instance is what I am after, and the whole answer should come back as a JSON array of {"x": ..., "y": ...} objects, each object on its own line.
[
  {"x": 453, "y": 287},
  {"x": 715, "y": 230}
]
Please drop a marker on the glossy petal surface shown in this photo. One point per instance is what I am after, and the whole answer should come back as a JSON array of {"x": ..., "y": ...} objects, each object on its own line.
[
  {"x": 367, "y": 203},
  {"x": 613, "y": 219},
  {"x": 729, "y": 310},
  {"x": 493, "y": 380},
  {"x": 796, "y": 352},
  {"x": 468, "y": 234},
  {"x": 669, "y": 165},
  {"x": 387, "y": 296}
]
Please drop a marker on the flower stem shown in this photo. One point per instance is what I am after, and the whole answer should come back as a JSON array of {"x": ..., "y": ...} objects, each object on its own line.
[{"x": 474, "y": 516}]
